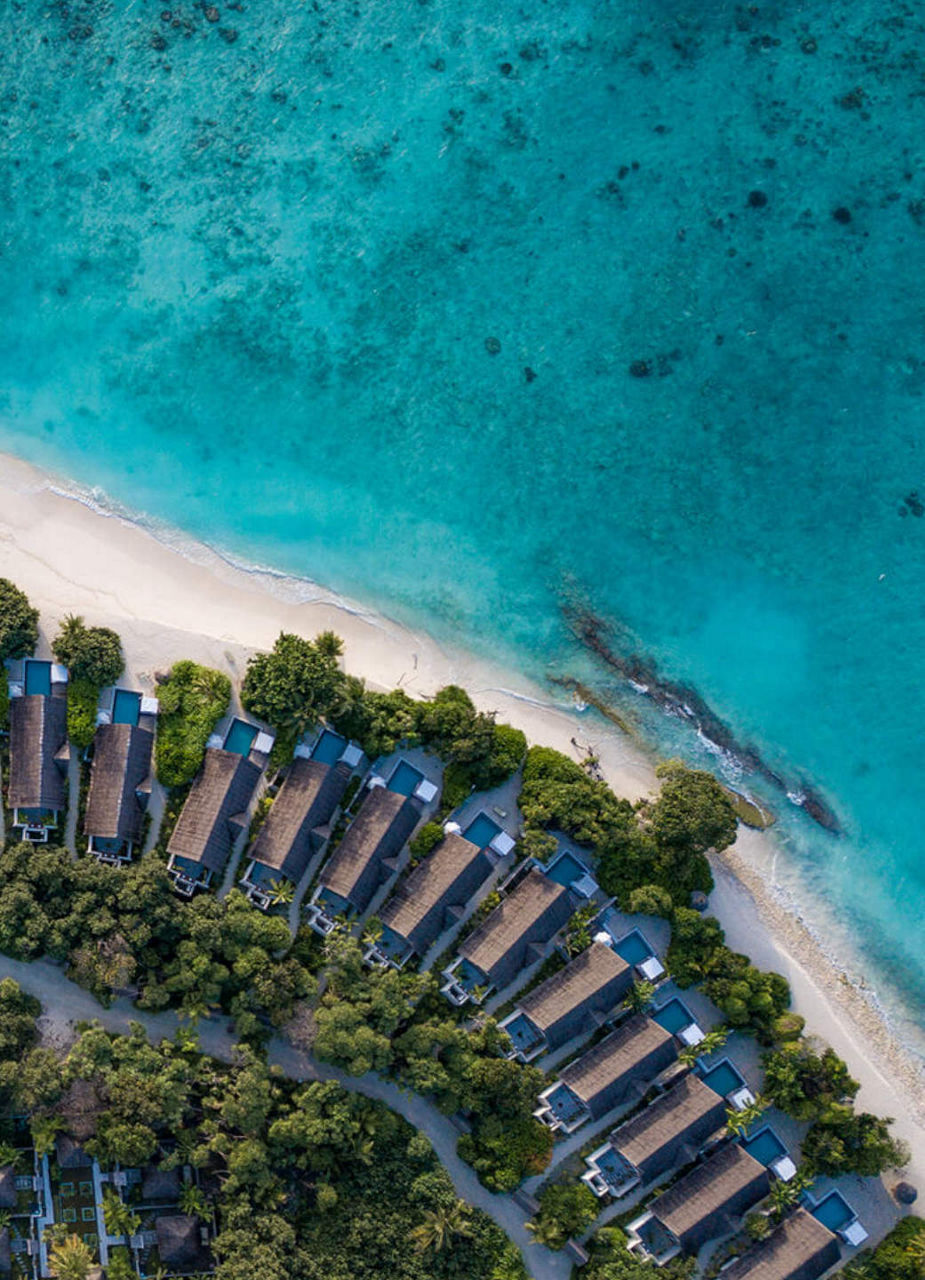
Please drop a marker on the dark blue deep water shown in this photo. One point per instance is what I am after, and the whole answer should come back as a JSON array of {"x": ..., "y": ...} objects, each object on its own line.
[{"x": 462, "y": 307}]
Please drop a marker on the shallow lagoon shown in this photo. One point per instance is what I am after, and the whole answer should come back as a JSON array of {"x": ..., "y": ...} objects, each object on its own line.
[{"x": 458, "y": 313}]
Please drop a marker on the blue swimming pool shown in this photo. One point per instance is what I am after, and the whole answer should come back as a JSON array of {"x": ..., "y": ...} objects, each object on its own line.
[
  {"x": 834, "y": 1212},
  {"x": 38, "y": 677},
  {"x": 239, "y": 737},
  {"x": 482, "y": 830},
  {"x": 673, "y": 1016},
  {"x": 633, "y": 948},
  {"x": 723, "y": 1078},
  {"x": 566, "y": 869},
  {"x": 405, "y": 778},
  {"x": 329, "y": 748},
  {"x": 765, "y": 1146},
  {"x": 126, "y": 707}
]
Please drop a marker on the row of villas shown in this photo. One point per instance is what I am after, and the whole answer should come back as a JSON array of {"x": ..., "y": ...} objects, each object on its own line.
[
  {"x": 66, "y": 1188},
  {"x": 631, "y": 1056}
]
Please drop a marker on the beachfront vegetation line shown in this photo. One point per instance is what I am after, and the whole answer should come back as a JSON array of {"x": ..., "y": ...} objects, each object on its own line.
[
  {"x": 93, "y": 656},
  {"x": 19, "y": 622},
  {"x": 192, "y": 700}
]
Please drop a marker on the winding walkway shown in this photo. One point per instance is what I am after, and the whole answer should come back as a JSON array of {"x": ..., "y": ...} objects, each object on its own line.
[{"x": 64, "y": 1001}]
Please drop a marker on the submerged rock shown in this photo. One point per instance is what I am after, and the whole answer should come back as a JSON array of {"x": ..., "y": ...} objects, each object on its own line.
[
  {"x": 757, "y": 199},
  {"x": 492, "y": 346},
  {"x": 841, "y": 214}
]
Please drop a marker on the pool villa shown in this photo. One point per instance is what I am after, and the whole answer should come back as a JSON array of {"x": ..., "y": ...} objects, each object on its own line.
[
  {"x": 675, "y": 1017},
  {"x": 673, "y": 1130},
  {"x": 214, "y": 816},
  {"x": 241, "y": 738},
  {"x": 636, "y": 950},
  {"x": 768, "y": 1149},
  {"x": 39, "y": 750},
  {"x": 485, "y": 833},
  {"x": 728, "y": 1082},
  {"x": 366, "y": 857},
  {"x": 566, "y": 868},
  {"x": 573, "y": 1002},
  {"x": 835, "y": 1213}
]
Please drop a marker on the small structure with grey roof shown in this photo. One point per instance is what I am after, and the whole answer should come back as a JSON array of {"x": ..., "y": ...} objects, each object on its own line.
[
  {"x": 622, "y": 1066},
  {"x": 669, "y": 1132},
  {"x": 575, "y": 1001},
  {"x": 297, "y": 826},
  {"x": 433, "y": 897},
  {"x": 801, "y": 1248},
  {"x": 705, "y": 1204},
  {"x": 364, "y": 859},
  {"x": 120, "y": 787},
  {"x": 214, "y": 815},
  {"x": 39, "y": 752},
  {"x": 516, "y": 934}
]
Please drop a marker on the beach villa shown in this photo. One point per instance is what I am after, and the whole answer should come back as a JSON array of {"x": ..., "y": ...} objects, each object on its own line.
[
  {"x": 705, "y": 1204},
  {"x": 670, "y": 1132},
  {"x": 213, "y": 817},
  {"x": 575, "y": 1001},
  {"x": 39, "y": 751},
  {"x": 515, "y": 935},
  {"x": 432, "y": 898},
  {"x": 621, "y": 1067},
  {"x": 365, "y": 858},
  {"x": 801, "y": 1248},
  {"x": 120, "y": 778},
  {"x": 297, "y": 826}
]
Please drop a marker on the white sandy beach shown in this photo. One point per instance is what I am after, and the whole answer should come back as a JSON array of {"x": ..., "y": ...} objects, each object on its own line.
[{"x": 184, "y": 601}]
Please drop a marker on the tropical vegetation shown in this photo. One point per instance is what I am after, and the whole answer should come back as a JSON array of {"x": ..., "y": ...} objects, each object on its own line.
[{"x": 192, "y": 701}]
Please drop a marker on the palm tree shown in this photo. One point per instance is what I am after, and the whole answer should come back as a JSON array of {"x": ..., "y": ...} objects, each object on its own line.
[
  {"x": 711, "y": 1043},
  {"x": 440, "y": 1225},
  {"x": 282, "y": 892},
  {"x": 117, "y": 1216},
  {"x": 44, "y": 1129},
  {"x": 639, "y": 997},
  {"x": 193, "y": 1202},
  {"x": 70, "y": 1259},
  {"x": 739, "y": 1122},
  {"x": 9, "y": 1156}
]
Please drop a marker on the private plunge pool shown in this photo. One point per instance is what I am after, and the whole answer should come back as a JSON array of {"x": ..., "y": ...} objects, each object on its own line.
[
  {"x": 834, "y": 1212},
  {"x": 673, "y": 1016},
  {"x": 405, "y": 779},
  {"x": 723, "y": 1078},
  {"x": 126, "y": 707},
  {"x": 329, "y": 748},
  {"x": 566, "y": 869},
  {"x": 240, "y": 737},
  {"x": 482, "y": 830},
  {"x": 633, "y": 948},
  {"x": 765, "y": 1147},
  {"x": 38, "y": 678}
]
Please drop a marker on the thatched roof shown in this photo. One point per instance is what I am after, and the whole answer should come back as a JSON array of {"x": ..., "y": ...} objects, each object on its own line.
[
  {"x": 580, "y": 996},
  {"x": 799, "y": 1249},
  {"x": 307, "y": 800},
  {"x": 81, "y": 1108},
  {"x": 215, "y": 809},
  {"x": 159, "y": 1184},
  {"x": 625, "y": 1061},
  {"x": 178, "y": 1240},
  {"x": 38, "y": 752},
  {"x": 708, "y": 1201},
  {"x": 121, "y": 767},
  {"x": 7, "y": 1187},
  {"x": 518, "y": 930},
  {"x": 672, "y": 1130},
  {"x": 447, "y": 878},
  {"x": 70, "y": 1154},
  {"x": 376, "y": 836}
]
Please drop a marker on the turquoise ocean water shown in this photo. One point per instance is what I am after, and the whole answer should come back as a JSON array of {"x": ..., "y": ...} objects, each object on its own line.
[{"x": 457, "y": 307}]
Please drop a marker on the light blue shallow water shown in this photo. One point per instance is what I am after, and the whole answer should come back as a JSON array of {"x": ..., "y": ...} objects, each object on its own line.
[{"x": 359, "y": 292}]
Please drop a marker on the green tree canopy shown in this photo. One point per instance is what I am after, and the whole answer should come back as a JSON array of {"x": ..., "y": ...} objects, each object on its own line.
[
  {"x": 805, "y": 1082},
  {"x": 849, "y": 1142},
  {"x": 296, "y": 683},
  {"x": 192, "y": 701},
  {"x": 93, "y": 654},
  {"x": 19, "y": 622}
]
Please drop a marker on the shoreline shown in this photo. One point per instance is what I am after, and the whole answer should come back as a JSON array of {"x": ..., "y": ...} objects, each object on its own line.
[{"x": 173, "y": 597}]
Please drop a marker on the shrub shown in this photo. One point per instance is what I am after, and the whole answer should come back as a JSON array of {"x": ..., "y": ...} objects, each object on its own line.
[
  {"x": 566, "y": 1208},
  {"x": 651, "y": 900},
  {"x": 845, "y": 1142},
  {"x": 897, "y": 1257},
  {"x": 19, "y": 622},
  {"x": 379, "y": 722},
  {"x": 559, "y": 793},
  {"x": 82, "y": 698},
  {"x": 426, "y": 839},
  {"x": 93, "y": 654},
  {"x": 192, "y": 701},
  {"x": 457, "y": 787},
  {"x": 805, "y": 1083},
  {"x": 696, "y": 941},
  {"x": 296, "y": 683}
]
